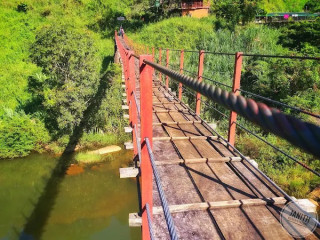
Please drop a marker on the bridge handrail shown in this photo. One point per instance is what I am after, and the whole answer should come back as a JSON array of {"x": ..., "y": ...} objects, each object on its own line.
[
  {"x": 302, "y": 134},
  {"x": 263, "y": 116}
]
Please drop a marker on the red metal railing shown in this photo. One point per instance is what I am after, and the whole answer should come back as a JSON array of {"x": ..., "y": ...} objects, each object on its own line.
[{"x": 146, "y": 67}]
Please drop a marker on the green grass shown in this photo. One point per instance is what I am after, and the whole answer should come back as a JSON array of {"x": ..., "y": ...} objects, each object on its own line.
[{"x": 85, "y": 157}]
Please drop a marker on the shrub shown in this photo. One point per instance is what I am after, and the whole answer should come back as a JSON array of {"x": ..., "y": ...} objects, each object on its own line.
[
  {"x": 22, "y": 7},
  {"x": 69, "y": 77},
  {"x": 20, "y": 134}
]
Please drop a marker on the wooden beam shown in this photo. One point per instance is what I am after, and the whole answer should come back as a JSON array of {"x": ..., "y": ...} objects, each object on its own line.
[
  {"x": 199, "y": 160},
  {"x": 183, "y": 208},
  {"x": 160, "y": 103},
  {"x": 184, "y": 138},
  {"x": 221, "y": 204},
  {"x": 135, "y": 220},
  {"x": 176, "y": 123},
  {"x": 171, "y": 110},
  {"x": 129, "y": 172}
]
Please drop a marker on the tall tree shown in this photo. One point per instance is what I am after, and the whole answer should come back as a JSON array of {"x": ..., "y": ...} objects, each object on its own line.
[{"x": 69, "y": 75}]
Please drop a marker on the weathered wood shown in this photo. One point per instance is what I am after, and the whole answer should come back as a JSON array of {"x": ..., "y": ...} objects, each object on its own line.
[
  {"x": 183, "y": 208},
  {"x": 183, "y": 138},
  {"x": 127, "y": 129},
  {"x": 220, "y": 204},
  {"x": 172, "y": 110},
  {"x": 128, "y": 145},
  {"x": 129, "y": 172},
  {"x": 176, "y": 123},
  {"x": 135, "y": 220},
  {"x": 124, "y": 107}
]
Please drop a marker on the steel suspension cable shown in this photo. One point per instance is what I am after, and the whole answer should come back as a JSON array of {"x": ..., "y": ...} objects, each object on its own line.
[
  {"x": 149, "y": 222},
  {"x": 280, "y": 103},
  {"x": 167, "y": 214},
  {"x": 259, "y": 96}
]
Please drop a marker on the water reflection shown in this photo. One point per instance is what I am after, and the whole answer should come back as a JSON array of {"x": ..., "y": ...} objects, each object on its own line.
[{"x": 93, "y": 204}]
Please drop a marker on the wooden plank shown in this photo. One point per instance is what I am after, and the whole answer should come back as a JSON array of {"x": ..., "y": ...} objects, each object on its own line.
[
  {"x": 205, "y": 148},
  {"x": 186, "y": 149},
  {"x": 177, "y": 186},
  {"x": 135, "y": 220},
  {"x": 202, "y": 206},
  {"x": 218, "y": 176},
  {"x": 183, "y": 208},
  {"x": 184, "y": 138},
  {"x": 190, "y": 130},
  {"x": 129, "y": 172},
  {"x": 171, "y": 110},
  {"x": 176, "y": 123},
  {"x": 252, "y": 178},
  {"x": 189, "y": 225}
]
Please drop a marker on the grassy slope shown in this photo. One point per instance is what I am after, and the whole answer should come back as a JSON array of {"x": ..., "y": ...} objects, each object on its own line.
[
  {"x": 18, "y": 32},
  {"x": 283, "y": 5}
]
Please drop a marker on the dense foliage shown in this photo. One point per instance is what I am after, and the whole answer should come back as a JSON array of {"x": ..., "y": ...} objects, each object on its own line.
[
  {"x": 69, "y": 76},
  {"x": 53, "y": 56}
]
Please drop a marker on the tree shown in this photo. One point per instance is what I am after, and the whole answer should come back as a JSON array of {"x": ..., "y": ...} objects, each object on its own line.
[
  {"x": 312, "y": 6},
  {"x": 69, "y": 76},
  {"x": 237, "y": 11}
]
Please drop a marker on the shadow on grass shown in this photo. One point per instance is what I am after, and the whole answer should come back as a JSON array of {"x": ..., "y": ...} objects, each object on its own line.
[{"x": 37, "y": 220}]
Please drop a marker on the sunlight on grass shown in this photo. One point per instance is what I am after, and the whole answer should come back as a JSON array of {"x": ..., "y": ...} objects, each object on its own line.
[{"x": 84, "y": 157}]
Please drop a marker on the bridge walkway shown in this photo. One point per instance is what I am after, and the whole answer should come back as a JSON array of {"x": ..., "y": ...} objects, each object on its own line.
[
  {"x": 211, "y": 192},
  {"x": 197, "y": 173}
]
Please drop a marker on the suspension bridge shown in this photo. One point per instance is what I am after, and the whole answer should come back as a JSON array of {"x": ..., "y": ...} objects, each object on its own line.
[{"x": 194, "y": 184}]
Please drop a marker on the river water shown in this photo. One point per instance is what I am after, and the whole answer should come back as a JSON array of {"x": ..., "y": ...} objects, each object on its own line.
[{"x": 90, "y": 202}]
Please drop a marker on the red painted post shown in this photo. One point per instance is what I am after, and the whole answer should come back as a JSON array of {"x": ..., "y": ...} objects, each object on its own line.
[
  {"x": 146, "y": 132},
  {"x": 160, "y": 54},
  {"x": 126, "y": 73},
  {"x": 167, "y": 65},
  {"x": 235, "y": 87},
  {"x": 132, "y": 108},
  {"x": 200, "y": 72},
  {"x": 181, "y": 72}
]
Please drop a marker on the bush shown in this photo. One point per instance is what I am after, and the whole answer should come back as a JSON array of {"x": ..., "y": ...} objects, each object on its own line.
[
  {"x": 22, "y": 7},
  {"x": 69, "y": 77},
  {"x": 20, "y": 134}
]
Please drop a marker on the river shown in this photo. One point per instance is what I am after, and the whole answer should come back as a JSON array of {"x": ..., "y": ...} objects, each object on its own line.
[{"x": 91, "y": 201}]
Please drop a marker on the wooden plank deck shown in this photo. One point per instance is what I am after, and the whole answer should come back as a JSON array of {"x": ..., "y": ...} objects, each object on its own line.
[{"x": 190, "y": 178}]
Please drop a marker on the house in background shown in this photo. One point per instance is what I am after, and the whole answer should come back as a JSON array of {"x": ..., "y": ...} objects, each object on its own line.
[{"x": 197, "y": 9}]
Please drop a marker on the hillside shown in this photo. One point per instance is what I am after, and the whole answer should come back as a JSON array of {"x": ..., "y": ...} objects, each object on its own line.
[
  {"x": 27, "y": 100},
  {"x": 282, "y": 5}
]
